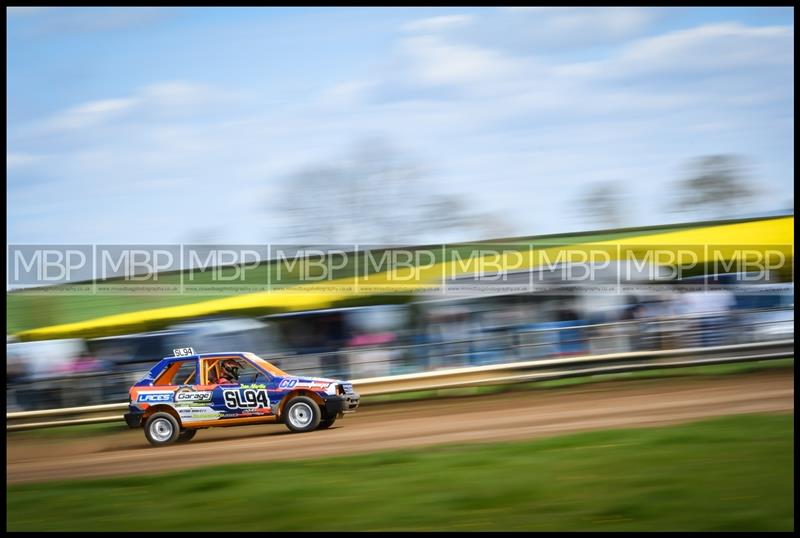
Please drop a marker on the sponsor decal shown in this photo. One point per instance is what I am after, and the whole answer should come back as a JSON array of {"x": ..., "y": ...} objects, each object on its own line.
[
  {"x": 305, "y": 383},
  {"x": 245, "y": 398},
  {"x": 198, "y": 413},
  {"x": 205, "y": 416},
  {"x": 154, "y": 397},
  {"x": 187, "y": 395}
]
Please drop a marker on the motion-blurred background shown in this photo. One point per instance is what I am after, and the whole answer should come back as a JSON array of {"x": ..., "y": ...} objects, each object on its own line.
[
  {"x": 432, "y": 133},
  {"x": 385, "y": 127}
]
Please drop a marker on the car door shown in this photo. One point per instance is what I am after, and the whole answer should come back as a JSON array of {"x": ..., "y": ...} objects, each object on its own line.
[
  {"x": 249, "y": 397},
  {"x": 189, "y": 399}
]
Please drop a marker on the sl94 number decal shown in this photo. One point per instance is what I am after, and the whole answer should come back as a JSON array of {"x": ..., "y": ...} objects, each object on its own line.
[{"x": 247, "y": 398}]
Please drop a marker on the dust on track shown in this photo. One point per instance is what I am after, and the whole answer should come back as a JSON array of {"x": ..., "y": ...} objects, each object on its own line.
[{"x": 498, "y": 417}]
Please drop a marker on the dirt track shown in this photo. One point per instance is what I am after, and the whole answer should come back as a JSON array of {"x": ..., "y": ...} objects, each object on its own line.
[{"x": 516, "y": 415}]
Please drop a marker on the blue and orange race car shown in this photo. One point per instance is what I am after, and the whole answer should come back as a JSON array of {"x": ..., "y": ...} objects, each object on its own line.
[{"x": 189, "y": 392}]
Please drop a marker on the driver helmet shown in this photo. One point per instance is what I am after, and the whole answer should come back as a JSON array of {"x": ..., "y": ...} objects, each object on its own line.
[{"x": 230, "y": 369}]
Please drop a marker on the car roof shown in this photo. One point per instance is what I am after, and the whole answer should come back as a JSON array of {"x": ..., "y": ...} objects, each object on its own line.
[{"x": 207, "y": 356}]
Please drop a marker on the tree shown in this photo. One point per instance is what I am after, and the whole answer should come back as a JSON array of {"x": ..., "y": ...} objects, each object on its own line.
[
  {"x": 376, "y": 196},
  {"x": 716, "y": 187},
  {"x": 602, "y": 205}
]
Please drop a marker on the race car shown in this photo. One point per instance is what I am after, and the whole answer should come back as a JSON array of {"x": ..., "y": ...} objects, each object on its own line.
[{"x": 189, "y": 392}]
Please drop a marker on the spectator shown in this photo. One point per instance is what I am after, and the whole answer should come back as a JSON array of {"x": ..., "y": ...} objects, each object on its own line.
[
  {"x": 712, "y": 307},
  {"x": 85, "y": 363},
  {"x": 16, "y": 369}
]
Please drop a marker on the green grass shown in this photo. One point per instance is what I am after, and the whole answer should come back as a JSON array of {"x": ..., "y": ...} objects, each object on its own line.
[
  {"x": 729, "y": 474},
  {"x": 73, "y": 431},
  {"x": 689, "y": 371}
]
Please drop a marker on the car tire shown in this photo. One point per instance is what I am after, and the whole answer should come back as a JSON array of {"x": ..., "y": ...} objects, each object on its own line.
[
  {"x": 185, "y": 436},
  {"x": 326, "y": 423},
  {"x": 302, "y": 414},
  {"x": 161, "y": 429}
]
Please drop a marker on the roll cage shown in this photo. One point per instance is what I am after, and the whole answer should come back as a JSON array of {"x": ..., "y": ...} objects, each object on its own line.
[{"x": 209, "y": 368}]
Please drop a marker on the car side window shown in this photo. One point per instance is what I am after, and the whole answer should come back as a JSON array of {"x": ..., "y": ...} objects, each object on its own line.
[
  {"x": 249, "y": 374},
  {"x": 213, "y": 370},
  {"x": 179, "y": 373}
]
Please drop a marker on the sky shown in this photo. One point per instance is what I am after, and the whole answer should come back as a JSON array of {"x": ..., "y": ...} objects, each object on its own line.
[{"x": 182, "y": 125}]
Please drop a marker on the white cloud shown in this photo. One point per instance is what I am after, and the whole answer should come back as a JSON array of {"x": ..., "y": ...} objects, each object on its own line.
[
  {"x": 89, "y": 114},
  {"x": 711, "y": 126},
  {"x": 181, "y": 94},
  {"x": 708, "y": 48},
  {"x": 718, "y": 46},
  {"x": 548, "y": 29},
  {"x": 163, "y": 98},
  {"x": 15, "y": 159},
  {"x": 607, "y": 22},
  {"x": 434, "y": 61},
  {"x": 436, "y": 24},
  {"x": 347, "y": 93}
]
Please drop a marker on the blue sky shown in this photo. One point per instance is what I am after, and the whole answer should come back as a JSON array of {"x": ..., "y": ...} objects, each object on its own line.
[{"x": 171, "y": 125}]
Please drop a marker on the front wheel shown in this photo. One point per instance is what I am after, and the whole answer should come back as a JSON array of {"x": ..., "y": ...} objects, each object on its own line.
[
  {"x": 302, "y": 414},
  {"x": 161, "y": 429},
  {"x": 186, "y": 436},
  {"x": 326, "y": 423}
]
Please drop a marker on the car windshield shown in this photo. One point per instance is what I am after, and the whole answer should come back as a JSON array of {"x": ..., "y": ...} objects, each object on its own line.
[{"x": 271, "y": 368}]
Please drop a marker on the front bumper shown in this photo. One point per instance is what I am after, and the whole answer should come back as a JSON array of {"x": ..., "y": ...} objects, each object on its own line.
[
  {"x": 134, "y": 417},
  {"x": 341, "y": 403}
]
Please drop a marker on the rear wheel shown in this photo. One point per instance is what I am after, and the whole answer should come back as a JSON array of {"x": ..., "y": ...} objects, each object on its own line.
[
  {"x": 302, "y": 414},
  {"x": 161, "y": 429}
]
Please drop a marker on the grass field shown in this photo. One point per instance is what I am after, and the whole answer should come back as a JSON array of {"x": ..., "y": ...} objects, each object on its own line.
[{"x": 734, "y": 473}]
